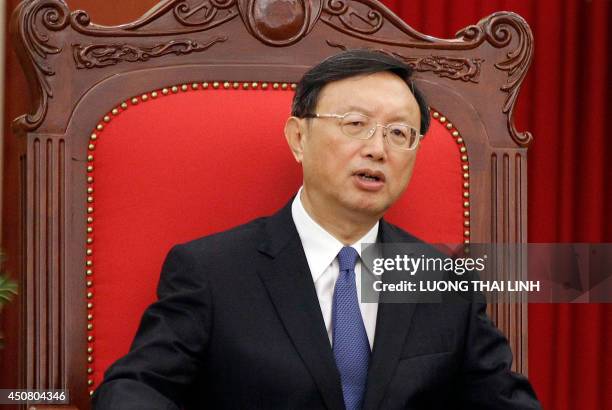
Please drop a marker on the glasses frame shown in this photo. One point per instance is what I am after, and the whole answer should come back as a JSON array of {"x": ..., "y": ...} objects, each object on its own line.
[{"x": 371, "y": 131}]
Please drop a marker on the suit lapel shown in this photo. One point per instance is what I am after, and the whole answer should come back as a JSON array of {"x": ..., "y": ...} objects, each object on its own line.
[
  {"x": 289, "y": 283},
  {"x": 392, "y": 324}
]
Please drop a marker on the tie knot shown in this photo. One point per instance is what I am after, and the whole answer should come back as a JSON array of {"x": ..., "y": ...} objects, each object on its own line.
[{"x": 347, "y": 258}]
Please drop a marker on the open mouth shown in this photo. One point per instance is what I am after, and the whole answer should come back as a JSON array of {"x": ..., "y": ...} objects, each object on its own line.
[{"x": 370, "y": 176}]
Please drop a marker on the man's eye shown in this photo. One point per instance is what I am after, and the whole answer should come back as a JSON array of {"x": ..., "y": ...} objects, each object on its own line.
[
  {"x": 356, "y": 123},
  {"x": 398, "y": 133}
]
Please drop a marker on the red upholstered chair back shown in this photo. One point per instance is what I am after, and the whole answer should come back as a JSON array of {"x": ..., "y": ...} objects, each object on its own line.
[
  {"x": 126, "y": 152},
  {"x": 181, "y": 165}
]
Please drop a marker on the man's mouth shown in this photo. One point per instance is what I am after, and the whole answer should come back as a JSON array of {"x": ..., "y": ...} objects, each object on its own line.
[{"x": 370, "y": 175}]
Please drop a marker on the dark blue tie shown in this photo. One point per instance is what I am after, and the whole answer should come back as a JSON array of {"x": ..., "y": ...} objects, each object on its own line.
[{"x": 351, "y": 347}]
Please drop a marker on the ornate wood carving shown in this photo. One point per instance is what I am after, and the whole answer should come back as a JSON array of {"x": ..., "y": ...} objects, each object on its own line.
[
  {"x": 455, "y": 68},
  {"x": 279, "y": 23},
  {"x": 35, "y": 17},
  {"x": 103, "y": 55},
  {"x": 191, "y": 16},
  {"x": 498, "y": 30}
]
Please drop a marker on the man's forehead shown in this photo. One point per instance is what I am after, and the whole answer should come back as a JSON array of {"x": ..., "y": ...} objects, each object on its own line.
[{"x": 358, "y": 92}]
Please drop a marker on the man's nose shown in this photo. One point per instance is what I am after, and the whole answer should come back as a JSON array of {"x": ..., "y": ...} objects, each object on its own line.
[{"x": 375, "y": 146}]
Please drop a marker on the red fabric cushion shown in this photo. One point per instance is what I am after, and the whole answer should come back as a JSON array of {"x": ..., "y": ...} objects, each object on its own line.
[{"x": 189, "y": 164}]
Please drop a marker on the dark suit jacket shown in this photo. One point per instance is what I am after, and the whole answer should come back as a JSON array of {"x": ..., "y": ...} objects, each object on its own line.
[{"x": 238, "y": 326}]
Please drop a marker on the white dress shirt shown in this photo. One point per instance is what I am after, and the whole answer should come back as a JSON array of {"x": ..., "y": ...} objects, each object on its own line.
[{"x": 321, "y": 250}]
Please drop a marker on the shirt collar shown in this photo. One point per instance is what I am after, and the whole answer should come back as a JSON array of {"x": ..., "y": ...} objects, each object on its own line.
[{"x": 320, "y": 247}]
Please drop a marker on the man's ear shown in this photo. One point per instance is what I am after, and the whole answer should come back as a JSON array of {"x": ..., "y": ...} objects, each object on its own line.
[{"x": 295, "y": 129}]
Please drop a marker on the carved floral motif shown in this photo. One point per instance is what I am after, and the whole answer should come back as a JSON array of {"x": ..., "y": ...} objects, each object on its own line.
[
  {"x": 102, "y": 55},
  {"x": 498, "y": 30},
  {"x": 54, "y": 16},
  {"x": 455, "y": 68}
]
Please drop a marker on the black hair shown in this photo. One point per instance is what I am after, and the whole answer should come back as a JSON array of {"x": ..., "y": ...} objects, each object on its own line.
[{"x": 351, "y": 63}]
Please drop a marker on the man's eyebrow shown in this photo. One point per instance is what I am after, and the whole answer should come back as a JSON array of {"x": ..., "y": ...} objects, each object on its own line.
[{"x": 354, "y": 108}]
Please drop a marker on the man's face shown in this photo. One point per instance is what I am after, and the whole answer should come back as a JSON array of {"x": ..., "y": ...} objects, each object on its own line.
[{"x": 334, "y": 165}]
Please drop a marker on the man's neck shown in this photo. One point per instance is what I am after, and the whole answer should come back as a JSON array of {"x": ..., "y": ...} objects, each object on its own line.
[{"x": 346, "y": 227}]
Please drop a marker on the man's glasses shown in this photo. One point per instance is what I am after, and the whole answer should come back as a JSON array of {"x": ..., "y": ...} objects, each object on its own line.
[{"x": 360, "y": 126}]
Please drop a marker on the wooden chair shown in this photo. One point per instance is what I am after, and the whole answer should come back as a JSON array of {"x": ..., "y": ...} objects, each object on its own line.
[{"x": 170, "y": 127}]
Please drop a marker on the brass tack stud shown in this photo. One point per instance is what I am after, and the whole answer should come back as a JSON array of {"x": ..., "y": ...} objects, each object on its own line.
[
  {"x": 455, "y": 133},
  {"x": 89, "y": 305},
  {"x": 124, "y": 105},
  {"x": 254, "y": 84},
  {"x": 466, "y": 167},
  {"x": 89, "y": 228},
  {"x": 89, "y": 263},
  {"x": 466, "y": 233},
  {"x": 90, "y": 209},
  {"x": 275, "y": 86},
  {"x": 89, "y": 284},
  {"x": 216, "y": 84},
  {"x": 466, "y": 223},
  {"x": 466, "y": 214},
  {"x": 89, "y": 241},
  {"x": 89, "y": 252},
  {"x": 284, "y": 86},
  {"x": 236, "y": 85},
  {"x": 154, "y": 94},
  {"x": 442, "y": 119},
  {"x": 90, "y": 220},
  {"x": 466, "y": 175},
  {"x": 449, "y": 125},
  {"x": 466, "y": 241},
  {"x": 464, "y": 158},
  {"x": 245, "y": 86},
  {"x": 466, "y": 184},
  {"x": 90, "y": 317},
  {"x": 89, "y": 295},
  {"x": 144, "y": 97},
  {"x": 99, "y": 127},
  {"x": 293, "y": 86},
  {"x": 462, "y": 149},
  {"x": 106, "y": 118},
  {"x": 174, "y": 89},
  {"x": 90, "y": 338},
  {"x": 194, "y": 86},
  {"x": 93, "y": 136},
  {"x": 114, "y": 111},
  {"x": 89, "y": 359},
  {"x": 264, "y": 85},
  {"x": 204, "y": 85},
  {"x": 91, "y": 393},
  {"x": 165, "y": 91},
  {"x": 89, "y": 168},
  {"x": 226, "y": 85},
  {"x": 466, "y": 204},
  {"x": 90, "y": 158},
  {"x": 90, "y": 382},
  {"x": 459, "y": 140},
  {"x": 91, "y": 147},
  {"x": 184, "y": 87},
  {"x": 89, "y": 370},
  {"x": 435, "y": 114},
  {"x": 89, "y": 272},
  {"x": 90, "y": 190},
  {"x": 134, "y": 100},
  {"x": 466, "y": 194},
  {"x": 89, "y": 326}
]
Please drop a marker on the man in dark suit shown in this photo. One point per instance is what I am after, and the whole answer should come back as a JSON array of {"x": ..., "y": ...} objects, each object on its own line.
[{"x": 266, "y": 315}]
